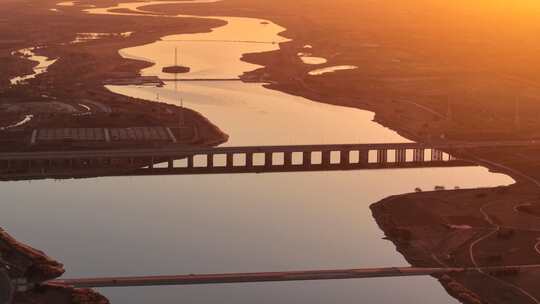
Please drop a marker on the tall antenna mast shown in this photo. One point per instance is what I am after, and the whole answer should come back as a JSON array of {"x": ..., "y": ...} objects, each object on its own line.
[{"x": 178, "y": 93}]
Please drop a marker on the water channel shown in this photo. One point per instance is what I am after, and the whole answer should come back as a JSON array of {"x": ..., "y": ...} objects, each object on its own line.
[
  {"x": 235, "y": 223},
  {"x": 43, "y": 64}
]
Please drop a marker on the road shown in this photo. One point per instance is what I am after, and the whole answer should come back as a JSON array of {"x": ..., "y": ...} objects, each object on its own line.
[
  {"x": 308, "y": 275},
  {"x": 183, "y": 149},
  {"x": 497, "y": 228}
]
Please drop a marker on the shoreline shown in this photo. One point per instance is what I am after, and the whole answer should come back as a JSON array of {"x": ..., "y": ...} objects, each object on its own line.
[
  {"x": 28, "y": 267},
  {"x": 411, "y": 120},
  {"x": 53, "y": 93},
  {"x": 448, "y": 234},
  {"x": 55, "y": 98},
  {"x": 415, "y": 121},
  {"x": 385, "y": 111}
]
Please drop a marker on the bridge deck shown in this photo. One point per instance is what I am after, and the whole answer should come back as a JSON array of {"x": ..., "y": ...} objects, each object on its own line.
[
  {"x": 308, "y": 275},
  {"x": 175, "y": 150},
  {"x": 251, "y": 277},
  {"x": 180, "y": 159},
  {"x": 176, "y": 159}
]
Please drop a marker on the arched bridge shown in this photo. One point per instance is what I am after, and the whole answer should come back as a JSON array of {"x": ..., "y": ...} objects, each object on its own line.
[{"x": 179, "y": 160}]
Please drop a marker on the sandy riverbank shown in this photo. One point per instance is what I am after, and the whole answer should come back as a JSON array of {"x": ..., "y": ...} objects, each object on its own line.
[
  {"x": 55, "y": 97},
  {"x": 403, "y": 66},
  {"x": 468, "y": 228}
]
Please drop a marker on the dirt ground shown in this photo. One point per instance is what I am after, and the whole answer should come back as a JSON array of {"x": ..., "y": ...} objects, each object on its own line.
[
  {"x": 432, "y": 70},
  {"x": 77, "y": 76},
  {"x": 475, "y": 59},
  {"x": 469, "y": 228}
]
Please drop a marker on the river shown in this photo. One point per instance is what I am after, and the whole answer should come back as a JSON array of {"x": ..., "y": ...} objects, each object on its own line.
[
  {"x": 235, "y": 223},
  {"x": 43, "y": 64}
]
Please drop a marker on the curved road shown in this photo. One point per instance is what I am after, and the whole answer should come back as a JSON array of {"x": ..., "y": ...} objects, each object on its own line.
[{"x": 497, "y": 227}]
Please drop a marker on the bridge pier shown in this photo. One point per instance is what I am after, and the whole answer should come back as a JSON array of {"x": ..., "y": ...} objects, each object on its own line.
[
  {"x": 287, "y": 159},
  {"x": 249, "y": 160},
  {"x": 436, "y": 155},
  {"x": 401, "y": 156},
  {"x": 190, "y": 161},
  {"x": 363, "y": 157},
  {"x": 268, "y": 159},
  {"x": 418, "y": 155},
  {"x": 382, "y": 156},
  {"x": 325, "y": 158},
  {"x": 210, "y": 160},
  {"x": 345, "y": 157},
  {"x": 230, "y": 160},
  {"x": 306, "y": 159}
]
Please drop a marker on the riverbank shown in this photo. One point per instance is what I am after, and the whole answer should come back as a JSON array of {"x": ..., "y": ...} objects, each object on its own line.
[
  {"x": 405, "y": 75},
  {"x": 27, "y": 267},
  {"x": 336, "y": 88},
  {"x": 71, "y": 93},
  {"x": 469, "y": 228},
  {"x": 422, "y": 95},
  {"x": 423, "y": 90}
]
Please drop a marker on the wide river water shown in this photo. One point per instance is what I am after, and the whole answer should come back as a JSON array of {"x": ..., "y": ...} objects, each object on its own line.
[{"x": 234, "y": 223}]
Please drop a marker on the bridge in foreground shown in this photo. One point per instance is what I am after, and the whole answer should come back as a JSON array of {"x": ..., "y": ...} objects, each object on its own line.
[
  {"x": 307, "y": 275},
  {"x": 178, "y": 160}
]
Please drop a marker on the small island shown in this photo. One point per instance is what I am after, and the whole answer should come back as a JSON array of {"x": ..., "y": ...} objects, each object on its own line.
[{"x": 176, "y": 68}]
